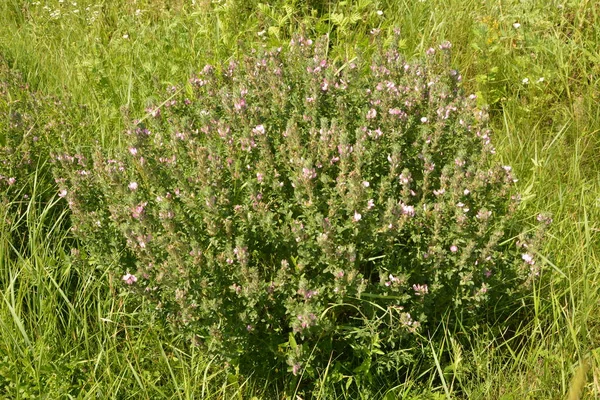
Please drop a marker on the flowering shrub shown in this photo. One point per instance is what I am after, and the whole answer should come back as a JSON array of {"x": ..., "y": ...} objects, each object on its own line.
[{"x": 287, "y": 208}]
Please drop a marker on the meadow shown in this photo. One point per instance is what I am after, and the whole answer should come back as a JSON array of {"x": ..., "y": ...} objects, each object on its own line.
[{"x": 75, "y": 75}]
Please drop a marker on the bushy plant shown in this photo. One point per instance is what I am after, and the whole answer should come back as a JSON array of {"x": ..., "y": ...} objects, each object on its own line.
[{"x": 289, "y": 209}]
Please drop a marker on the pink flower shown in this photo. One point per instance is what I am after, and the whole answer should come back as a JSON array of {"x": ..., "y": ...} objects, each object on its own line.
[
  {"x": 420, "y": 290},
  {"x": 129, "y": 279},
  {"x": 357, "y": 217},
  {"x": 370, "y": 204},
  {"x": 133, "y": 186},
  {"x": 259, "y": 130},
  {"x": 366, "y": 184},
  {"x": 453, "y": 248},
  {"x": 408, "y": 210},
  {"x": 372, "y": 113},
  {"x": 133, "y": 151},
  {"x": 528, "y": 258},
  {"x": 11, "y": 181},
  {"x": 62, "y": 193}
]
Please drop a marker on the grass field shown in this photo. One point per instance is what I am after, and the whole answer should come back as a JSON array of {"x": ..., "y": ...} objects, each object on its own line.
[{"x": 84, "y": 69}]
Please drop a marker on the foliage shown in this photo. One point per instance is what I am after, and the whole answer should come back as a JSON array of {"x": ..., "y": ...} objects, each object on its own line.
[{"x": 289, "y": 208}]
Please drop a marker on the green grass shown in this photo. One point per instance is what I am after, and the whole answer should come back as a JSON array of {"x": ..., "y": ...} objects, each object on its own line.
[{"x": 65, "y": 332}]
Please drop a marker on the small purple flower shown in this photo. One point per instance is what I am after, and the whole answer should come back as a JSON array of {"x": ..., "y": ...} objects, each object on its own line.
[{"x": 129, "y": 279}]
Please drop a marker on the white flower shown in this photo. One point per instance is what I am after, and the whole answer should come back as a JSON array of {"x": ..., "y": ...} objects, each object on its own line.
[
  {"x": 525, "y": 81},
  {"x": 516, "y": 25},
  {"x": 357, "y": 216}
]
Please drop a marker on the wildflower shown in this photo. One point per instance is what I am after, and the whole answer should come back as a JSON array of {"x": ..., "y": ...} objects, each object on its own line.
[
  {"x": 11, "y": 181},
  {"x": 516, "y": 25},
  {"x": 483, "y": 214},
  {"x": 525, "y": 81},
  {"x": 379, "y": 12},
  {"x": 366, "y": 183},
  {"x": 372, "y": 113},
  {"x": 129, "y": 279},
  {"x": 404, "y": 178},
  {"x": 62, "y": 193},
  {"x": 408, "y": 210},
  {"x": 528, "y": 258},
  {"x": 295, "y": 369},
  {"x": 446, "y": 45},
  {"x": 453, "y": 248},
  {"x": 133, "y": 186},
  {"x": 420, "y": 290},
  {"x": 259, "y": 177},
  {"x": 357, "y": 217},
  {"x": 424, "y": 120},
  {"x": 544, "y": 218},
  {"x": 309, "y": 173},
  {"x": 133, "y": 151},
  {"x": 370, "y": 204},
  {"x": 259, "y": 129}
]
